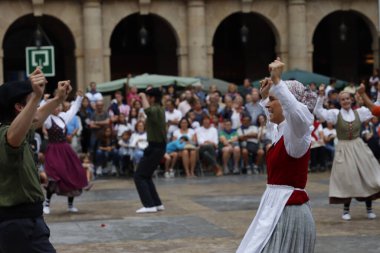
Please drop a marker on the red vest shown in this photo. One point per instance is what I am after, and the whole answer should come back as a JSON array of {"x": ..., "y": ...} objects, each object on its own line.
[{"x": 283, "y": 169}]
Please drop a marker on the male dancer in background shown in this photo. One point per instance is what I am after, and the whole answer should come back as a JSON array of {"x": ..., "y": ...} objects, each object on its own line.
[{"x": 153, "y": 154}]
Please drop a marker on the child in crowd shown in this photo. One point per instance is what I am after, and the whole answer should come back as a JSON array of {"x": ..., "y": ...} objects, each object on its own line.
[
  {"x": 125, "y": 151},
  {"x": 89, "y": 167},
  {"x": 171, "y": 154}
]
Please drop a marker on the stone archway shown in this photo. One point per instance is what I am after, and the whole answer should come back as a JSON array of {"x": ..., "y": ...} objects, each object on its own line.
[
  {"x": 21, "y": 34},
  {"x": 143, "y": 44},
  {"x": 343, "y": 46},
  {"x": 243, "y": 46}
]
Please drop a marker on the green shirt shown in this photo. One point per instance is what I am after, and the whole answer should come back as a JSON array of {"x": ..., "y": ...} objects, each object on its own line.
[
  {"x": 19, "y": 178},
  {"x": 155, "y": 124},
  {"x": 228, "y": 136}
]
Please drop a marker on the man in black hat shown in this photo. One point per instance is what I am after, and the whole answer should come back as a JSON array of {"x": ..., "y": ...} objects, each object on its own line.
[
  {"x": 153, "y": 154},
  {"x": 22, "y": 227}
]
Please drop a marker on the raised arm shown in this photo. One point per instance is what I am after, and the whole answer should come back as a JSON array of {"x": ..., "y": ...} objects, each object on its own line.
[
  {"x": 323, "y": 114},
  {"x": 23, "y": 122},
  {"x": 74, "y": 108},
  {"x": 63, "y": 89}
]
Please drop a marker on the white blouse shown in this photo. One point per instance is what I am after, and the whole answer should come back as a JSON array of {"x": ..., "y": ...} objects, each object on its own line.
[
  {"x": 298, "y": 123},
  {"x": 331, "y": 115},
  {"x": 66, "y": 116}
]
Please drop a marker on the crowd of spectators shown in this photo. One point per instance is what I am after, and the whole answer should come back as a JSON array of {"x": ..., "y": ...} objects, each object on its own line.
[{"x": 206, "y": 130}]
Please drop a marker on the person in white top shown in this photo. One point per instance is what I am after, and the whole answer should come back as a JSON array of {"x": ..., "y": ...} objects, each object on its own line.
[
  {"x": 283, "y": 222},
  {"x": 329, "y": 138},
  {"x": 355, "y": 171},
  {"x": 93, "y": 95},
  {"x": 139, "y": 142},
  {"x": 62, "y": 165},
  {"x": 208, "y": 140},
  {"x": 189, "y": 153},
  {"x": 172, "y": 117}
]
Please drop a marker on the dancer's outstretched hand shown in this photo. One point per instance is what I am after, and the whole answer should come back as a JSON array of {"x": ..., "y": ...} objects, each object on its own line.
[
  {"x": 63, "y": 90},
  {"x": 38, "y": 81},
  {"x": 361, "y": 89},
  {"x": 321, "y": 90},
  {"x": 265, "y": 85},
  {"x": 275, "y": 69}
]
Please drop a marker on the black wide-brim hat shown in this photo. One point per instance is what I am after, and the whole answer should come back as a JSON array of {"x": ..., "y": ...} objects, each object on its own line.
[{"x": 13, "y": 92}]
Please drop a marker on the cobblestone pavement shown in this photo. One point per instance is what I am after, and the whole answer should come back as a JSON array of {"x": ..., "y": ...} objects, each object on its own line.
[{"x": 203, "y": 215}]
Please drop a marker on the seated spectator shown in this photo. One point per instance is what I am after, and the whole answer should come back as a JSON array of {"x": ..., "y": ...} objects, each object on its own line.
[
  {"x": 237, "y": 112},
  {"x": 227, "y": 111},
  {"x": 121, "y": 125},
  {"x": 185, "y": 105},
  {"x": 171, "y": 155},
  {"x": 229, "y": 145},
  {"x": 207, "y": 137},
  {"x": 172, "y": 117},
  {"x": 171, "y": 91},
  {"x": 370, "y": 135},
  {"x": 139, "y": 142},
  {"x": 188, "y": 154},
  {"x": 232, "y": 91},
  {"x": 191, "y": 117},
  {"x": 125, "y": 152},
  {"x": 106, "y": 152},
  {"x": 140, "y": 110},
  {"x": 329, "y": 135},
  {"x": 198, "y": 111},
  {"x": 132, "y": 120},
  {"x": 317, "y": 150},
  {"x": 99, "y": 120},
  {"x": 254, "y": 108},
  {"x": 249, "y": 143},
  {"x": 265, "y": 141},
  {"x": 132, "y": 95}
]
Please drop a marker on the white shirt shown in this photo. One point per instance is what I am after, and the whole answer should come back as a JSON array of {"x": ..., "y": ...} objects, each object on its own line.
[
  {"x": 121, "y": 128},
  {"x": 66, "y": 116},
  {"x": 190, "y": 134},
  {"x": 209, "y": 134},
  {"x": 235, "y": 119},
  {"x": 184, "y": 107},
  {"x": 94, "y": 97},
  {"x": 331, "y": 115},
  {"x": 175, "y": 115},
  {"x": 250, "y": 130},
  {"x": 139, "y": 140},
  {"x": 297, "y": 126}
]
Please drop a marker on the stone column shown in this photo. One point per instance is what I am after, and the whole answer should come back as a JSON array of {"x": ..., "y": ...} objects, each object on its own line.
[
  {"x": 182, "y": 56},
  {"x": 80, "y": 70},
  {"x": 196, "y": 25},
  {"x": 297, "y": 35},
  {"x": 107, "y": 64},
  {"x": 92, "y": 37}
]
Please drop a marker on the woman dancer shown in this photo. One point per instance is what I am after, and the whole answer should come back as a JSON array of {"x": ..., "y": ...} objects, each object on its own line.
[
  {"x": 284, "y": 222},
  {"x": 62, "y": 166},
  {"x": 355, "y": 171}
]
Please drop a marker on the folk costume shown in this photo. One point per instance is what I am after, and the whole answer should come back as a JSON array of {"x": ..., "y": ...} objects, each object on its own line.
[{"x": 283, "y": 222}]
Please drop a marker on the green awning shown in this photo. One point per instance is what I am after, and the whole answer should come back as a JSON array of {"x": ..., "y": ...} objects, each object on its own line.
[{"x": 142, "y": 81}]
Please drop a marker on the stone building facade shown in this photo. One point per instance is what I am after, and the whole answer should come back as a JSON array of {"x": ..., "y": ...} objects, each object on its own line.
[{"x": 193, "y": 23}]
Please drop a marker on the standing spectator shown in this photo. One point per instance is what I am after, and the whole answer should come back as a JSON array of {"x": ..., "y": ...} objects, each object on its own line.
[
  {"x": 172, "y": 117},
  {"x": 254, "y": 108},
  {"x": 330, "y": 87},
  {"x": 85, "y": 114},
  {"x": 355, "y": 172},
  {"x": 132, "y": 120},
  {"x": 199, "y": 93},
  {"x": 171, "y": 155},
  {"x": 99, "y": 120},
  {"x": 207, "y": 137},
  {"x": 232, "y": 91},
  {"x": 93, "y": 95},
  {"x": 373, "y": 82},
  {"x": 198, "y": 111},
  {"x": 156, "y": 135},
  {"x": 117, "y": 107},
  {"x": 229, "y": 145},
  {"x": 246, "y": 88}
]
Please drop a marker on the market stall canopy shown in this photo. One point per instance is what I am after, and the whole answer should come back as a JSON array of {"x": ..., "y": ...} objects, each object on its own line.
[
  {"x": 306, "y": 77},
  {"x": 142, "y": 81}
]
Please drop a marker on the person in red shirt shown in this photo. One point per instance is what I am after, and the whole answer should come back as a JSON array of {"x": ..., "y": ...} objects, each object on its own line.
[{"x": 283, "y": 222}]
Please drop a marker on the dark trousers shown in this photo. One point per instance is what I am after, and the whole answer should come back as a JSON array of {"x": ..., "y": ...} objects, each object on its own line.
[
  {"x": 29, "y": 235},
  {"x": 207, "y": 154},
  {"x": 143, "y": 175}
]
